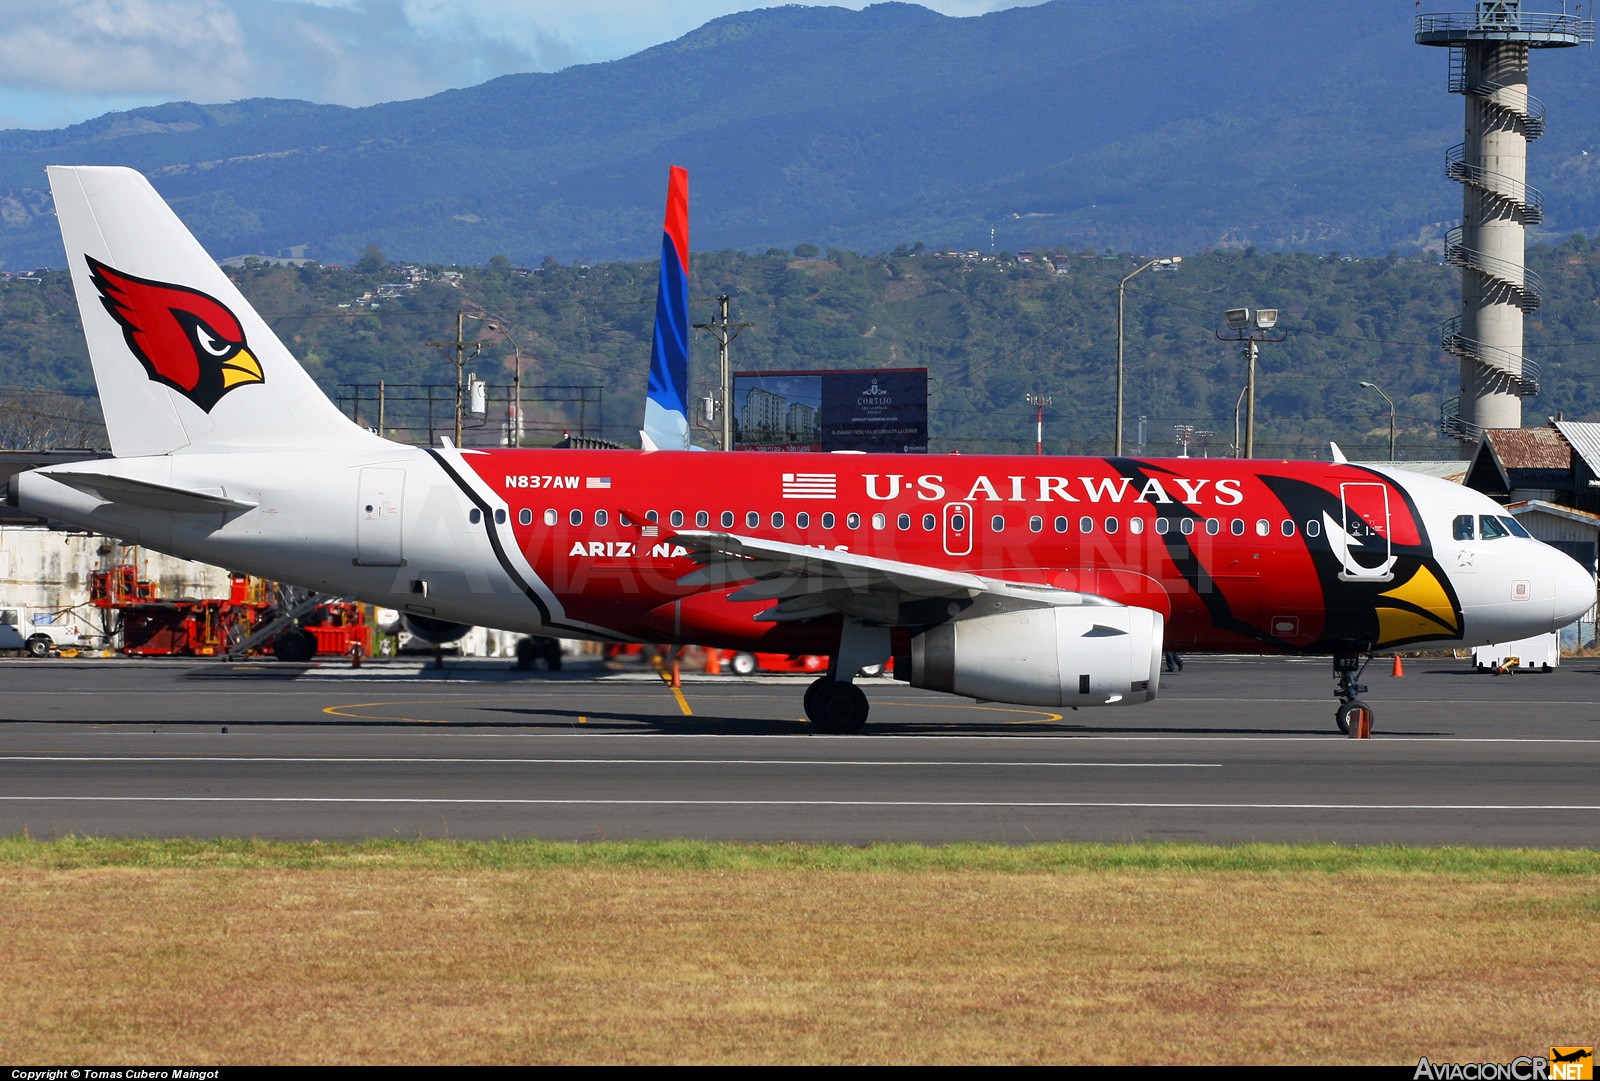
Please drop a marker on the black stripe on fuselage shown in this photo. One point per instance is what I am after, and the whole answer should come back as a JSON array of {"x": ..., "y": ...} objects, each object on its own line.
[{"x": 511, "y": 572}]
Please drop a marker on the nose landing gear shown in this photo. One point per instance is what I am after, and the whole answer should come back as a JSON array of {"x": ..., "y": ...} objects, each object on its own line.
[{"x": 1352, "y": 710}]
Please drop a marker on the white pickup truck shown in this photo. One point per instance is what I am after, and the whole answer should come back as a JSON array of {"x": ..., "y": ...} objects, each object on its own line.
[{"x": 39, "y": 633}]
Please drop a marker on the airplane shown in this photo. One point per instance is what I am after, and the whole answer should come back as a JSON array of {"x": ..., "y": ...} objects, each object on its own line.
[{"x": 1044, "y": 581}]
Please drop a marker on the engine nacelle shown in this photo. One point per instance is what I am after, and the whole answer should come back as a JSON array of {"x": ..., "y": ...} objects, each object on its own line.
[
  {"x": 1072, "y": 656},
  {"x": 438, "y": 632}
]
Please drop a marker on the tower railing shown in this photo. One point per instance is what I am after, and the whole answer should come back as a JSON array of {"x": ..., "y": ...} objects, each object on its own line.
[
  {"x": 1529, "y": 118},
  {"x": 1525, "y": 199},
  {"x": 1523, "y": 285},
  {"x": 1516, "y": 373}
]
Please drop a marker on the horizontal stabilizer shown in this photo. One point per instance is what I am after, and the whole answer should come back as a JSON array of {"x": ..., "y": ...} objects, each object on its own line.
[{"x": 142, "y": 493}]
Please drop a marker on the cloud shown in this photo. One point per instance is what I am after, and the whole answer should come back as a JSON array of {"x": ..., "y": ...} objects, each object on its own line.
[
  {"x": 62, "y": 61},
  {"x": 353, "y": 53}
]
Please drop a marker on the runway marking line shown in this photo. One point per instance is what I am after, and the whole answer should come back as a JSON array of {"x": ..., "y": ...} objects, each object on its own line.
[
  {"x": 321, "y": 760},
  {"x": 1064, "y": 805}
]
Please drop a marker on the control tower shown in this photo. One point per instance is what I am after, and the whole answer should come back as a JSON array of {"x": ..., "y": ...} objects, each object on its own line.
[{"x": 1489, "y": 48}]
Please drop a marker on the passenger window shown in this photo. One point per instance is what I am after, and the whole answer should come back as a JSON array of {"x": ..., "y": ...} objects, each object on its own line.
[
  {"x": 651, "y": 516},
  {"x": 1085, "y": 525},
  {"x": 1162, "y": 525},
  {"x": 1186, "y": 526},
  {"x": 601, "y": 517},
  {"x": 1036, "y": 524},
  {"x": 1061, "y": 523},
  {"x": 929, "y": 522},
  {"x": 997, "y": 524},
  {"x": 879, "y": 521},
  {"x": 1313, "y": 528},
  {"x": 777, "y": 519},
  {"x": 802, "y": 520},
  {"x": 1213, "y": 527},
  {"x": 727, "y": 519},
  {"x": 958, "y": 522},
  {"x": 903, "y": 522},
  {"x": 575, "y": 517},
  {"x": 1462, "y": 529},
  {"x": 550, "y": 516},
  {"x": 1236, "y": 527},
  {"x": 1135, "y": 526},
  {"x": 1286, "y": 527},
  {"x": 701, "y": 519},
  {"x": 676, "y": 518},
  {"x": 827, "y": 519},
  {"x": 752, "y": 520},
  {"x": 499, "y": 516},
  {"x": 524, "y": 516},
  {"x": 474, "y": 515},
  {"x": 852, "y": 520},
  {"x": 1112, "y": 525},
  {"x": 1263, "y": 527}
]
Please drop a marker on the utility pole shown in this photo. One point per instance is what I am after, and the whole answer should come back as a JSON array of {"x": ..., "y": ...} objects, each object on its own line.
[
  {"x": 724, "y": 332},
  {"x": 461, "y": 363},
  {"x": 1039, "y": 402}
]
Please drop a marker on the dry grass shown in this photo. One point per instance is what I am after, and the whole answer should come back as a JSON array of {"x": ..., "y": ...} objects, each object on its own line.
[{"x": 143, "y": 954}]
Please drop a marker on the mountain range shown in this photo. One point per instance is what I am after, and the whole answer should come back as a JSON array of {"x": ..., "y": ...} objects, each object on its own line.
[{"x": 1151, "y": 126}]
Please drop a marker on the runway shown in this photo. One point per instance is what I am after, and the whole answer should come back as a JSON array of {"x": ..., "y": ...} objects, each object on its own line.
[{"x": 1235, "y": 750}]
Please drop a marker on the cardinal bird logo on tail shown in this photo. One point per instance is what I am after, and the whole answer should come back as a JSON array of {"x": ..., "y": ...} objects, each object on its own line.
[{"x": 185, "y": 339}]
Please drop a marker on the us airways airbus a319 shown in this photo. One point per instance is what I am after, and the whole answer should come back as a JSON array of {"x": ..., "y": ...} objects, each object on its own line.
[{"x": 1040, "y": 581}]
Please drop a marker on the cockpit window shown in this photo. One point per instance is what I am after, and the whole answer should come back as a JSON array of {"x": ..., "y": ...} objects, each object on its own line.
[
  {"x": 1463, "y": 527},
  {"x": 1516, "y": 527},
  {"x": 1490, "y": 527}
]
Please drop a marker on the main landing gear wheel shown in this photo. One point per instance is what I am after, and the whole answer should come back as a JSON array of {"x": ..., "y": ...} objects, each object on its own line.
[
  {"x": 743, "y": 664},
  {"x": 835, "y": 707}
]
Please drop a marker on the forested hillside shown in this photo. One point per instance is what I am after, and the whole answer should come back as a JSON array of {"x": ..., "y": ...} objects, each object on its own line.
[{"x": 990, "y": 331}]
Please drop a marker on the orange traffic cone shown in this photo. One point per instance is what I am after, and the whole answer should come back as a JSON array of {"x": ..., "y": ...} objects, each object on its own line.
[
  {"x": 1399, "y": 669},
  {"x": 713, "y": 662}
]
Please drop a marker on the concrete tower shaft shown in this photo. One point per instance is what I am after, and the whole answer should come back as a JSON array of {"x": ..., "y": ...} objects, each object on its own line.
[{"x": 1489, "y": 49}]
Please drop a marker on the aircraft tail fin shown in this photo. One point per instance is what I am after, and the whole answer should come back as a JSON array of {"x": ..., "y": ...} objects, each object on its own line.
[
  {"x": 666, "y": 409},
  {"x": 181, "y": 359}
]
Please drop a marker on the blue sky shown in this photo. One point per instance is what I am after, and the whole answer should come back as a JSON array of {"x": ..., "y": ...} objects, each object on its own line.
[{"x": 64, "y": 61}]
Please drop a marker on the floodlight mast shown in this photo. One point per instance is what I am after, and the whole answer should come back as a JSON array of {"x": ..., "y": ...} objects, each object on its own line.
[{"x": 1252, "y": 327}]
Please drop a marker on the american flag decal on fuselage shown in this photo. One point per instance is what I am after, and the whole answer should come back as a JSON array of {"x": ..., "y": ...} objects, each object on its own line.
[{"x": 810, "y": 485}]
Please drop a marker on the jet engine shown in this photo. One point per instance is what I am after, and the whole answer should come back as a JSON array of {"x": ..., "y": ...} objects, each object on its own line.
[
  {"x": 438, "y": 632},
  {"x": 1068, "y": 656}
]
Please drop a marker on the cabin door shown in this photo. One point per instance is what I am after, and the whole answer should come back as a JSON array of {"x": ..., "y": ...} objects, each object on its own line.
[{"x": 1364, "y": 548}]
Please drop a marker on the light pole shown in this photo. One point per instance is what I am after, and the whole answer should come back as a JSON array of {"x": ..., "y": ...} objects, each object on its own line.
[
  {"x": 1039, "y": 401},
  {"x": 1251, "y": 327},
  {"x": 1385, "y": 397},
  {"x": 516, "y": 383},
  {"x": 1121, "y": 297}
]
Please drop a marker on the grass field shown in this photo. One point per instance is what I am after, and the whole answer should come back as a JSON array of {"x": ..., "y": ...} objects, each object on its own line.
[{"x": 192, "y": 953}]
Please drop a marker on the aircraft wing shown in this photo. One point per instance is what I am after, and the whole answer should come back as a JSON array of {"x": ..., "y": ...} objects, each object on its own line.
[{"x": 808, "y": 583}]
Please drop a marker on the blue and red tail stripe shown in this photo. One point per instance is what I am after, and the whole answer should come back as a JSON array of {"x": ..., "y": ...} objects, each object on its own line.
[{"x": 666, "y": 411}]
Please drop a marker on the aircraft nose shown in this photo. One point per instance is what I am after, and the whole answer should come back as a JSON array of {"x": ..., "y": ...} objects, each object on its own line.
[{"x": 1574, "y": 592}]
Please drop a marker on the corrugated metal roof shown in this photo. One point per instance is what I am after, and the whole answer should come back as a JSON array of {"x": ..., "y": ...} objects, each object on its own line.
[
  {"x": 1449, "y": 469},
  {"x": 1530, "y": 448},
  {"x": 1584, "y": 439}
]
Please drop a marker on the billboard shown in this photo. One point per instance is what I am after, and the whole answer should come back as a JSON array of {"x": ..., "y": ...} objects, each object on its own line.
[{"x": 878, "y": 410}]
